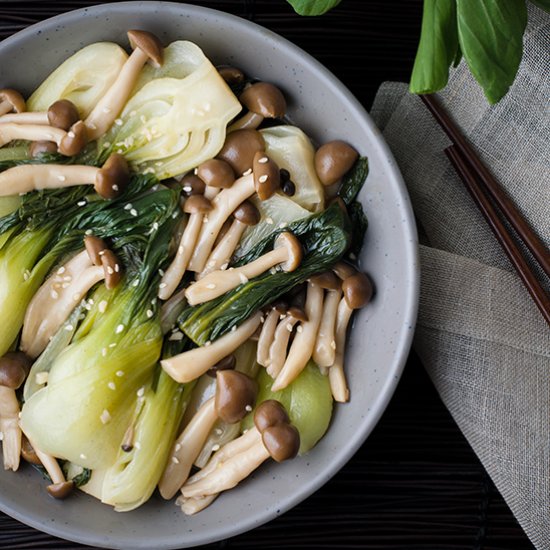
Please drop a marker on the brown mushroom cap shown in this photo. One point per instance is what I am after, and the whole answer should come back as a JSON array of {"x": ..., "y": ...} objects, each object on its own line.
[
  {"x": 327, "y": 280},
  {"x": 282, "y": 441},
  {"x": 112, "y": 269},
  {"x": 357, "y": 290},
  {"x": 113, "y": 177},
  {"x": 247, "y": 213},
  {"x": 197, "y": 204},
  {"x": 239, "y": 149},
  {"x": 344, "y": 270},
  {"x": 294, "y": 248},
  {"x": 267, "y": 177},
  {"x": 95, "y": 248},
  {"x": 270, "y": 413},
  {"x": 216, "y": 173},
  {"x": 75, "y": 140},
  {"x": 231, "y": 75},
  {"x": 63, "y": 114},
  {"x": 264, "y": 99},
  {"x": 15, "y": 98},
  {"x": 42, "y": 147},
  {"x": 298, "y": 313},
  {"x": 60, "y": 490},
  {"x": 227, "y": 363},
  {"x": 192, "y": 185},
  {"x": 27, "y": 451},
  {"x": 149, "y": 44},
  {"x": 235, "y": 395},
  {"x": 281, "y": 307},
  {"x": 14, "y": 367},
  {"x": 333, "y": 160}
]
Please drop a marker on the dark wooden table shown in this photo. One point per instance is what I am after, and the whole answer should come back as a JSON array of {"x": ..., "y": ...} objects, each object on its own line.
[{"x": 415, "y": 484}]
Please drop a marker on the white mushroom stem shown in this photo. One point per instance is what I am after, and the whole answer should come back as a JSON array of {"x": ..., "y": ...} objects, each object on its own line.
[
  {"x": 186, "y": 449},
  {"x": 266, "y": 337},
  {"x": 31, "y": 177},
  {"x": 278, "y": 349},
  {"x": 9, "y": 426},
  {"x": 223, "y": 206},
  {"x": 190, "y": 506},
  {"x": 325, "y": 346},
  {"x": 221, "y": 281},
  {"x": 176, "y": 270},
  {"x": 111, "y": 104},
  {"x": 302, "y": 346},
  {"x": 50, "y": 464},
  {"x": 336, "y": 375},
  {"x": 55, "y": 300},
  {"x": 31, "y": 132},
  {"x": 40, "y": 118},
  {"x": 228, "y": 473},
  {"x": 191, "y": 364},
  {"x": 220, "y": 256}
]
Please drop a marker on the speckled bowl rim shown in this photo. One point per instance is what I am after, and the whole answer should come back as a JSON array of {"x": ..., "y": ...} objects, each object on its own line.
[{"x": 409, "y": 310}]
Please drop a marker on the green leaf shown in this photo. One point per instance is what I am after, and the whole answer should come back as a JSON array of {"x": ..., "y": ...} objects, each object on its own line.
[
  {"x": 313, "y": 7},
  {"x": 542, "y": 4},
  {"x": 353, "y": 181},
  {"x": 490, "y": 35},
  {"x": 437, "y": 48}
]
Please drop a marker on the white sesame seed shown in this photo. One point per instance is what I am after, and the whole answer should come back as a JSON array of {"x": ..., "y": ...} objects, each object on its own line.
[
  {"x": 218, "y": 431},
  {"x": 263, "y": 160},
  {"x": 282, "y": 225},
  {"x": 106, "y": 145},
  {"x": 137, "y": 445},
  {"x": 88, "y": 232},
  {"x": 68, "y": 278},
  {"x": 243, "y": 278},
  {"x": 111, "y": 386},
  {"x": 76, "y": 297},
  {"x": 71, "y": 134},
  {"x": 102, "y": 306},
  {"x": 141, "y": 392},
  {"x": 289, "y": 327},
  {"x": 299, "y": 328},
  {"x": 54, "y": 294},
  {"x": 81, "y": 203},
  {"x": 211, "y": 286},
  {"x": 163, "y": 285},
  {"x": 175, "y": 460},
  {"x": 248, "y": 408},
  {"x": 282, "y": 316},
  {"x": 26, "y": 275},
  {"x": 223, "y": 267},
  {"x": 119, "y": 329},
  {"x": 61, "y": 178},
  {"x": 118, "y": 122},
  {"x": 187, "y": 188},
  {"x": 177, "y": 447},
  {"x": 149, "y": 313},
  {"x": 233, "y": 328},
  {"x": 106, "y": 110},
  {"x": 263, "y": 178},
  {"x": 61, "y": 270},
  {"x": 105, "y": 416},
  {"x": 68, "y": 328},
  {"x": 181, "y": 250},
  {"x": 208, "y": 343},
  {"x": 120, "y": 373},
  {"x": 248, "y": 172},
  {"x": 117, "y": 268},
  {"x": 114, "y": 187},
  {"x": 91, "y": 126},
  {"x": 134, "y": 212},
  {"x": 104, "y": 352},
  {"x": 135, "y": 283},
  {"x": 333, "y": 344},
  {"x": 110, "y": 270},
  {"x": 41, "y": 378},
  {"x": 176, "y": 336},
  {"x": 269, "y": 221},
  {"x": 83, "y": 456},
  {"x": 215, "y": 447},
  {"x": 128, "y": 206}
]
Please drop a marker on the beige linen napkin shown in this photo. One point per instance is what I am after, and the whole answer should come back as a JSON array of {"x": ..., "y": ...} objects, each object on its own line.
[{"x": 479, "y": 335}]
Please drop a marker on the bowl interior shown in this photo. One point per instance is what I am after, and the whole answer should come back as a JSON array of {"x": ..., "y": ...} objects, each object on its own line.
[{"x": 382, "y": 332}]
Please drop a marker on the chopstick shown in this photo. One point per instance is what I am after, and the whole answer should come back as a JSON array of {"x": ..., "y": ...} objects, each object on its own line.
[
  {"x": 480, "y": 182},
  {"x": 508, "y": 208}
]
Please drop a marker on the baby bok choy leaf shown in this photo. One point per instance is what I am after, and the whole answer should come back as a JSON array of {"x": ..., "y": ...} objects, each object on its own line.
[{"x": 324, "y": 237}]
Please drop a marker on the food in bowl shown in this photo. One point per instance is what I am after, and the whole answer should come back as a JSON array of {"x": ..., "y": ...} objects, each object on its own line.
[{"x": 177, "y": 262}]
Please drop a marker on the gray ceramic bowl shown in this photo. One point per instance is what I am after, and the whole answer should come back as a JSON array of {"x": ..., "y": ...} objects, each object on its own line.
[{"x": 382, "y": 332}]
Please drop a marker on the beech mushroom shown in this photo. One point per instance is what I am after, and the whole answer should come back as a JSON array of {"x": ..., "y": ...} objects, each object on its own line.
[
  {"x": 61, "y": 114},
  {"x": 216, "y": 173},
  {"x": 333, "y": 160},
  {"x": 147, "y": 47},
  {"x": 357, "y": 291},
  {"x": 302, "y": 346},
  {"x": 239, "y": 149},
  {"x": 267, "y": 176},
  {"x": 246, "y": 215},
  {"x": 109, "y": 181},
  {"x": 191, "y": 364},
  {"x": 263, "y": 100},
  {"x": 280, "y": 440},
  {"x": 223, "y": 206},
  {"x": 231, "y": 75},
  {"x": 14, "y": 367},
  {"x": 278, "y": 348},
  {"x": 287, "y": 253},
  {"x": 266, "y": 337},
  {"x": 11, "y": 100},
  {"x": 196, "y": 206},
  {"x": 38, "y": 148},
  {"x": 235, "y": 396}
]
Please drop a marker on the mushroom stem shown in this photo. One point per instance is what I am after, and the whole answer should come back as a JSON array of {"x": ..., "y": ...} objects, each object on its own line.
[
  {"x": 325, "y": 346},
  {"x": 250, "y": 121},
  {"x": 186, "y": 449},
  {"x": 266, "y": 337},
  {"x": 191, "y": 364},
  {"x": 228, "y": 473},
  {"x": 51, "y": 465},
  {"x": 55, "y": 300},
  {"x": 190, "y": 506},
  {"x": 336, "y": 375},
  {"x": 31, "y": 132},
  {"x": 304, "y": 341},
  {"x": 9, "y": 426},
  {"x": 278, "y": 349},
  {"x": 38, "y": 118},
  {"x": 111, "y": 104},
  {"x": 223, "y": 205},
  {"x": 221, "y": 254},
  {"x": 219, "y": 282}
]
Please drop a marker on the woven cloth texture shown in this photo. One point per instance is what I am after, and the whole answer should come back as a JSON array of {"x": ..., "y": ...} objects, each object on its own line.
[{"x": 481, "y": 338}]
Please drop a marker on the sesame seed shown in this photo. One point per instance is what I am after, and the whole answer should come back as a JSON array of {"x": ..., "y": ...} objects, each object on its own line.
[
  {"x": 177, "y": 447},
  {"x": 76, "y": 297},
  {"x": 243, "y": 278},
  {"x": 61, "y": 270},
  {"x": 218, "y": 431},
  {"x": 187, "y": 188},
  {"x": 91, "y": 126},
  {"x": 135, "y": 283},
  {"x": 233, "y": 328},
  {"x": 112, "y": 345},
  {"x": 352, "y": 256},
  {"x": 263, "y": 160},
  {"x": 88, "y": 232},
  {"x": 110, "y": 270},
  {"x": 120, "y": 373},
  {"x": 117, "y": 268},
  {"x": 333, "y": 344},
  {"x": 282, "y": 225},
  {"x": 269, "y": 221},
  {"x": 248, "y": 172},
  {"x": 81, "y": 203},
  {"x": 141, "y": 392},
  {"x": 215, "y": 447},
  {"x": 137, "y": 445},
  {"x": 101, "y": 252},
  {"x": 102, "y": 306},
  {"x": 114, "y": 187},
  {"x": 118, "y": 122},
  {"x": 67, "y": 278},
  {"x": 282, "y": 316},
  {"x": 65, "y": 285},
  {"x": 299, "y": 328},
  {"x": 105, "y": 416},
  {"x": 149, "y": 313},
  {"x": 111, "y": 386},
  {"x": 106, "y": 110},
  {"x": 163, "y": 285},
  {"x": 133, "y": 212},
  {"x": 61, "y": 178},
  {"x": 211, "y": 286},
  {"x": 106, "y": 145},
  {"x": 262, "y": 319},
  {"x": 54, "y": 294},
  {"x": 68, "y": 328},
  {"x": 176, "y": 336},
  {"x": 104, "y": 352},
  {"x": 208, "y": 343},
  {"x": 41, "y": 378},
  {"x": 248, "y": 408},
  {"x": 205, "y": 219},
  {"x": 224, "y": 266},
  {"x": 119, "y": 329},
  {"x": 263, "y": 178},
  {"x": 181, "y": 250},
  {"x": 26, "y": 275},
  {"x": 289, "y": 327},
  {"x": 71, "y": 134},
  {"x": 175, "y": 460}
]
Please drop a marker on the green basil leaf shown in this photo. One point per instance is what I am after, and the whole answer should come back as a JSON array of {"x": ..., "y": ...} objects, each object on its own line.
[
  {"x": 313, "y": 7},
  {"x": 542, "y": 4},
  {"x": 437, "y": 48},
  {"x": 490, "y": 35}
]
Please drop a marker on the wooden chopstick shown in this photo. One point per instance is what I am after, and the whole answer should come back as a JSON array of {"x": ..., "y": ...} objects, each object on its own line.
[
  {"x": 508, "y": 208},
  {"x": 470, "y": 179}
]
